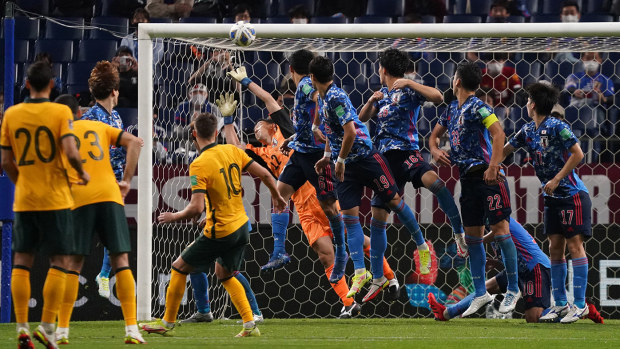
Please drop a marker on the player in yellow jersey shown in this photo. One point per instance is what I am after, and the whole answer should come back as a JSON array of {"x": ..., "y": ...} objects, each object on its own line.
[
  {"x": 215, "y": 177},
  {"x": 98, "y": 207},
  {"x": 33, "y": 137}
]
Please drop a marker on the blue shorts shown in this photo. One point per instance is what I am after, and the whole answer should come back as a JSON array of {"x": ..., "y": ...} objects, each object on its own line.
[
  {"x": 482, "y": 203},
  {"x": 535, "y": 286},
  {"x": 407, "y": 166},
  {"x": 371, "y": 171},
  {"x": 569, "y": 216},
  {"x": 300, "y": 168}
]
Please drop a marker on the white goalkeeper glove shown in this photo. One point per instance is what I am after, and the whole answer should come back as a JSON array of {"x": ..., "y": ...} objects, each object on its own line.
[
  {"x": 227, "y": 105},
  {"x": 240, "y": 75}
]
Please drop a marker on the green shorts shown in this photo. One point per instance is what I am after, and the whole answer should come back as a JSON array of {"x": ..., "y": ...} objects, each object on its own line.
[
  {"x": 49, "y": 232},
  {"x": 229, "y": 251},
  {"x": 108, "y": 220}
]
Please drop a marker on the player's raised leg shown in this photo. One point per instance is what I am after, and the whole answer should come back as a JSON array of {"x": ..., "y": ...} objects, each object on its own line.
[{"x": 103, "y": 278}]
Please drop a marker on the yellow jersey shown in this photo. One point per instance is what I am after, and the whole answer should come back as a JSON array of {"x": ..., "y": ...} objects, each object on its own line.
[
  {"x": 33, "y": 130},
  {"x": 94, "y": 138},
  {"x": 216, "y": 172}
]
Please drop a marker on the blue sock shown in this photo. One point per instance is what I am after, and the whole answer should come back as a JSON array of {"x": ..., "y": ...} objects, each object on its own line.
[
  {"x": 558, "y": 281},
  {"x": 355, "y": 240},
  {"x": 337, "y": 226},
  {"x": 477, "y": 260},
  {"x": 580, "y": 280},
  {"x": 279, "y": 223},
  {"x": 378, "y": 244},
  {"x": 447, "y": 205},
  {"x": 248, "y": 293},
  {"x": 106, "y": 267},
  {"x": 460, "y": 307},
  {"x": 200, "y": 287},
  {"x": 406, "y": 216},
  {"x": 509, "y": 257}
]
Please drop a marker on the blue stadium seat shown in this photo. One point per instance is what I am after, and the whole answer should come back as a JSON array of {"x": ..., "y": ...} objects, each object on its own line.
[
  {"x": 285, "y": 5},
  {"x": 388, "y": 8},
  {"x": 533, "y": 6},
  {"x": 329, "y": 20},
  {"x": 529, "y": 72},
  {"x": 118, "y": 25},
  {"x": 554, "y": 7},
  {"x": 66, "y": 29},
  {"x": 160, "y": 20},
  {"x": 40, "y": 7},
  {"x": 277, "y": 20},
  {"x": 61, "y": 50},
  {"x": 252, "y": 115},
  {"x": 372, "y": 19},
  {"x": 96, "y": 50},
  {"x": 106, "y": 8},
  {"x": 477, "y": 7},
  {"x": 545, "y": 18},
  {"x": 77, "y": 89},
  {"x": 424, "y": 19},
  {"x": 572, "y": 117},
  {"x": 26, "y": 28},
  {"x": 510, "y": 19},
  {"x": 128, "y": 115},
  {"x": 596, "y": 18},
  {"x": 22, "y": 51},
  {"x": 198, "y": 20},
  {"x": 595, "y": 6},
  {"x": 78, "y": 73},
  {"x": 462, "y": 19}
]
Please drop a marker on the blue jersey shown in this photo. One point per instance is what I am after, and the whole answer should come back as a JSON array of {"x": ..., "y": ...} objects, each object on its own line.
[
  {"x": 117, "y": 155},
  {"x": 336, "y": 111},
  {"x": 184, "y": 113},
  {"x": 303, "y": 117},
  {"x": 528, "y": 252},
  {"x": 549, "y": 145},
  {"x": 469, "y": 138},
  {"x": 397, "y": 120},
  {"x": 589, "y": 84}
]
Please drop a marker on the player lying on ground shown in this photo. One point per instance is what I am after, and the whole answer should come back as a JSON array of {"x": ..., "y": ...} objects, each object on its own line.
[
  {"x": 397, "y": 107},
  {"x": 99, "y": 208},
  {"x": 358, "y": 165},
  {"x": 35, "y": 136},
  {"x": 567, "y": 215},
  {"x": 534, "y": 279},
  {"x": 485, "y": 196},
  {"x": 215, "y": 177}
]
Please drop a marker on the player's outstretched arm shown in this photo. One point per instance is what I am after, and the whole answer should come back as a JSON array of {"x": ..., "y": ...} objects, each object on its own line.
[
  {"x": 195, "y": 208},
  {"x": 369, "y": 110},
  {"x": 133, "y": 146},
  {"x": 440, "y": 156},
  {"x": 576, "y": 155},
  {"x": 430, "y": 93},
  {"x": 265, "y": 176},
  {"x": 9, "y": 165},
  {"x": 70, "y": 149}
]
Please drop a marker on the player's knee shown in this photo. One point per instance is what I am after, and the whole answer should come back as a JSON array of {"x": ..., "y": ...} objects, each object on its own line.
[{"x": 576, "y": 250}]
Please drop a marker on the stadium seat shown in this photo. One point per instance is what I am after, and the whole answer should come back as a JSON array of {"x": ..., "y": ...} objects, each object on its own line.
[
  {"x": 595, "y": 6},
  {"x": 160, "y": 20},
  {"x": 528, "y": 71},
  {"x": 118, "y": 25},
  {"x": 78, "y": 73},
  {"x": 277, "y": 20},
  {"x": 40, "y": 7},
  {"x": 329, "y": 20},
  {"x": 510, "y": 19},
  {"x": 61, "y": 50},
  {"x": 553, "y": 7},
  {"x": 533, "y": 6},
  {"x": 571, "y": 116},
  {"x": 252, "y": 115},
  {"x": 545, "y": 18},
  {"x": 106, "y": 8},
  {"x": 26, "y": 28},
  {"x": 596, "y": 18},
  {"x": 128, "y": 115},
  {"x": 424, "y": 19},
  {"x": 76, "y": 90},
  {"x": 198, "y": 20},
  {"x": 65, "y": 29},
  {"x": 96, "y": 50},
  {"x": 462, "y": 19},
  {"x": 372, "y": 19},
  {"x": 388, "y": 8},
  {"x": 285, "y": 5},
  {"x": 477, "y": 7},
  {"x": 22, "y": 51}
]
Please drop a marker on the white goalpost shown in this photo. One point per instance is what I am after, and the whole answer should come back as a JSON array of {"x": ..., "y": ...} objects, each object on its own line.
[{"x": 301, "y": 290}]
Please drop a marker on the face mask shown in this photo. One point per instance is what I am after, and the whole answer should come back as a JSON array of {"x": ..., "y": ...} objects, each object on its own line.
[
  {"x": 198, "y": 99},
  {"x": 570, "y": 19},
  {"x": 300, "y": 20},
  {"x": 495, "y": 68},
  {"x": 591, "y": 66}
]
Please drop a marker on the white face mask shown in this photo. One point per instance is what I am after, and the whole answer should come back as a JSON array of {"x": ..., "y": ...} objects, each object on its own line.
[
  {"x": 198, "y": 99},
  {"x": 300, "y": 20},
  {"x": 591, "y": 66},
  {"x": 570, "y": 19},
  {"x": 495, "y": 68}
]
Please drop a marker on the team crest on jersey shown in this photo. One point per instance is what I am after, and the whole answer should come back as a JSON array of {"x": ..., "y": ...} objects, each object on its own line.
[
  {"x": 274, "y": 142},
  {"x": 544, "y": 141},
  {"x": 396, "y": 97}
]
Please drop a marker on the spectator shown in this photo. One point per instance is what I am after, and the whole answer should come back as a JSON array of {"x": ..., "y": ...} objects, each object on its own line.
[
  {"x": 73, "y": 8},
  {"x": 196, "y": 103},
  {"x": 173, "y": 9},
  {"x": 46, "y": 57},
  {"x": 125, "y": 8},
  {"x": 570, "y": 12},
  {"x": 500, "y": 81},
  {"x": 140, "y": 15},
  {"x": 436, "y": 8},
  {"x": 128, "y": 73},
  {"x": 213, "y": 74},
  {"x": 242, "y": 12},
  {"x": 499, "y": 12},
  {"x": 206, "y": 8},
  {"x": 299, "y": 15},
  {"x": 590, "y": 87}
]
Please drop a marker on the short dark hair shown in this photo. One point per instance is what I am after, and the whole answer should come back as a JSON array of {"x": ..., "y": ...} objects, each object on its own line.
[
  {"x": 205, "y": 125},
  {"x": 39, "y": 75},
  {"x": 499, "y": 3},
  {"x": 43, "y": 56},
  {"x": 545, "y": 96},
  {"x": 70, "y": 101},
  {"x": 124, "y": 49},
  {"x": 103, "y": 80},
  {"x": 569, "y": 3},
  {"x": 300, "y": 60},
  {"x": 470, "y": 75},
  {"x": 143, "y": 12},
  {"x": 241, "y": 8},
  {"x": 298, "y": 11},
  {"x": 322, "y": 68},
  {"x": 394, "y": 61}
]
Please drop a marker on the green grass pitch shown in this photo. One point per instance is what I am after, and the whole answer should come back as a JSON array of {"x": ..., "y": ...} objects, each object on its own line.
[{"x": 355, "y": 333}]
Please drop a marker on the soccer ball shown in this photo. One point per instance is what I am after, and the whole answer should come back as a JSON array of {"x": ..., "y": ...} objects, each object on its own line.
[{"x": 242, "y": 33}]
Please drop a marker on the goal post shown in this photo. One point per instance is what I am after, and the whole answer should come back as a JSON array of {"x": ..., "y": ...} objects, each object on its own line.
[{"x": 163, "y": 84}]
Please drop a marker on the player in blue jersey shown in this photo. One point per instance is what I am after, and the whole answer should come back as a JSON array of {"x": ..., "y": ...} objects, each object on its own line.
[
  {"x": 484, "y": 196},
  {"x": 567, "y": 214},
  {"x": 534, "y": 279},
  {"x": 358, "y": 165},
  {"x": 397, "y": 107}
]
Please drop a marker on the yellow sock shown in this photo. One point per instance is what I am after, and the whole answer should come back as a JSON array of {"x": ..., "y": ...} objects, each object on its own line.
[
  {"x": 340, "y": 287},
  {"x": 239, "y": 299},
  {"x": 20, "y": 291},
  {"x": 53, "y": 294},
  {"x": 126, "y": 292},
  {"x": 174, "y": 295},
  {"x": 72, "y": 284}
]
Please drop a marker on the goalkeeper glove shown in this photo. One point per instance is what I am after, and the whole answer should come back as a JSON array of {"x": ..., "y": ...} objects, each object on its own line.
[
  {"x": 227, "y": 105},
  {"x": 240, "y": 75}
]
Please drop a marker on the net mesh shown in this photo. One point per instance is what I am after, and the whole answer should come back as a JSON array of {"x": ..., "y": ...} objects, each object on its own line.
[{"x": 301, "y": 289}]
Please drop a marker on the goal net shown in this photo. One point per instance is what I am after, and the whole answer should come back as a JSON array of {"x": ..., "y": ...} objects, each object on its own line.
[{"x": 181, "y": 61}]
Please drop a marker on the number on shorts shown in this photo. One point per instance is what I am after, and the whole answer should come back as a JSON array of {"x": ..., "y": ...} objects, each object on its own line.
[
  {"x": 495, "y": 199},
  {"x": 529, "y": 288},
  {"x": 567, "y": 214}
]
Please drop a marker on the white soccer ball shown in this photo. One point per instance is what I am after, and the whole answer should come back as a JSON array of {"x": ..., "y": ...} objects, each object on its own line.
[{"x": 242, "y": 33}]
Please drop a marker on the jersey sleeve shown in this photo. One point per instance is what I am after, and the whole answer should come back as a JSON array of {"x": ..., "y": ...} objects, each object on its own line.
[
  {"x": 242, "y": 158},
  {"x": 566, "y": 135},
  {"x": 307, "y": 90},
  {"x": 342, "y": 109},
  {"x": 198, "y": 180},
  {"x": 66, "y": 122},
  {"x": 283, "y": 120},
  {"x": 518, "y": 140},
  {"x": 443, "y": 118},
  {"x": 5, "y": 139},
  {"x": 114, "y": 135}
]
